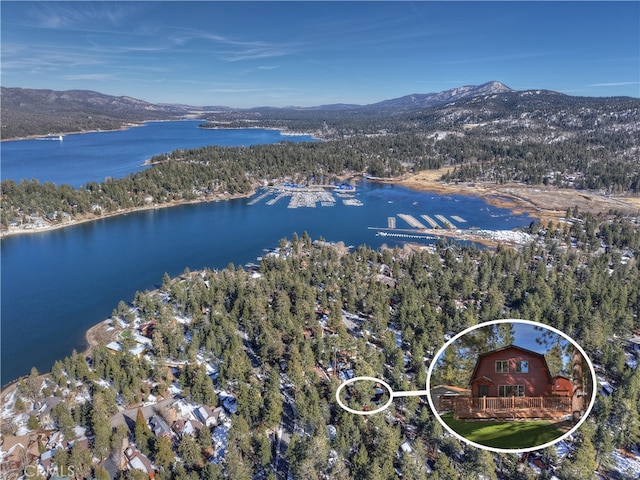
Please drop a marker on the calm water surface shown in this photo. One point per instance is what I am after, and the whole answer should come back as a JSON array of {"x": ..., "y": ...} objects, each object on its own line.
[
  {"x": 84, "y": 157},
  {"x": 57, "y": 284}
]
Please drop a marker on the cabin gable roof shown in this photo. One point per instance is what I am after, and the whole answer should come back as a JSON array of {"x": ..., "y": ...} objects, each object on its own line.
[{"x": 521, "y": 350}]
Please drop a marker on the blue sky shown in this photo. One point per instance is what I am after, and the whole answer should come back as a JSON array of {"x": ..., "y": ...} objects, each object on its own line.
[
  {"x": 525, "y": 336},
  {"x": 244, "y": 54}
]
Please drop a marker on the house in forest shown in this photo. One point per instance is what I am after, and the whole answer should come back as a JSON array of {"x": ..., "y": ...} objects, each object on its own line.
[
  {"x": 444, "y": 396},
  {"x": 138, "y": 461},
  {"x": 513, "y": 382},
  {"x": 562, "y": 386}
]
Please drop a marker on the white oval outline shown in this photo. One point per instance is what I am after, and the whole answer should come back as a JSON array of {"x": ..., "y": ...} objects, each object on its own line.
[
  {"x": 363, "y": 412},
  {"x": 594, "y": 382}
]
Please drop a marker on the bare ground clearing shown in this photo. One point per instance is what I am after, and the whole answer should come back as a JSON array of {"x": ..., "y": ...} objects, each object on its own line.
[{"x": 542, "y": 202}]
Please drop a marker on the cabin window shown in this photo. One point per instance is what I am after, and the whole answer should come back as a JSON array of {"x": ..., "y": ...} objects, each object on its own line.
[
  {"x": 511, "y": 391},
  {"x": 502, "y": 366},
  {"x": 522, "y": 366}
]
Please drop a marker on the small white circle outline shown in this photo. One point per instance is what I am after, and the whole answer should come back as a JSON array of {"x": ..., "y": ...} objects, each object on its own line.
[
  {"x": 364, "y": 412},
  {"x": 594, "y": 382}
]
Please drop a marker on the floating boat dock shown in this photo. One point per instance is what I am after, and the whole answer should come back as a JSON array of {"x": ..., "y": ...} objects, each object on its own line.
[
  {"x": 411, "y": 220},
  {"x": 445, "y": 222},
  {"x": 430, "y": 221},
  {"x": 458, "y": 219},
  {"x": 274, "y": 200},
  {"x": 404, "y": 235},
  {"x": 259, "y": 198},
  {"x": 308, "y": 196}
]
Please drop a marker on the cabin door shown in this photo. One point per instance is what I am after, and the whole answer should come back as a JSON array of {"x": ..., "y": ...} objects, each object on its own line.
[{"x": 483, "y": 390}]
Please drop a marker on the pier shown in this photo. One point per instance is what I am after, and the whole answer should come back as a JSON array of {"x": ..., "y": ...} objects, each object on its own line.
[
  {"x": 274, "y": 200},
  {"x": 404, "y": 235},
  {"x": 458, "y": 219},
  {"x": 307, "y": 196},
  {"x": 411, "y": 220},
  {"x": 430, "y": 221},
  {"x": 445, "y": 222},
  {"x": 260, "y": 197}
]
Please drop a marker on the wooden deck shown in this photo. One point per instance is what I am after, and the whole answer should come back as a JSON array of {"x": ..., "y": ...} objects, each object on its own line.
[{"x": 512, "y": 407}]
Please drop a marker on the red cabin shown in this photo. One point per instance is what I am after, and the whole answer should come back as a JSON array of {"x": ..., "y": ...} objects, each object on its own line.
[
  {"x": 513, "y": 382},
  {"x": 511, "y": 372}
]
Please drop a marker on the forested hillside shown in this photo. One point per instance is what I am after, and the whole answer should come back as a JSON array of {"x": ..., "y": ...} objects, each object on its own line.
[
  {"x": 267, "y": 349},
  {"x": 27, "y": 112},
  {"x": 607, "y": 163},
  {"x": 276, "y": 340}
]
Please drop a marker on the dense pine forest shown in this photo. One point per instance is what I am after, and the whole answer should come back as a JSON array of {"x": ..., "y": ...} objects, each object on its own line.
[
  {"x": 276, "y": 340},
  {"x": 203, "y": 173},
  {"x": 233, "y": 373}
]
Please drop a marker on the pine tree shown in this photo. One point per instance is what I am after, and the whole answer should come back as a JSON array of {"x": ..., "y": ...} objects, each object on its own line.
[
  {"x": 164, "y": 455},
  {"x": 189, "y": 451},
  {"x": 272, "y": 413},
  {"x": 204, "y": 438},
  {"x": 100, "y": 426},
  {"x": 142, "y": 433}
]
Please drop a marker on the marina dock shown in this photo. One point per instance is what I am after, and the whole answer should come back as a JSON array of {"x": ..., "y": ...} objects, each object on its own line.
[
  {"x": 458, "y": 219},
  {"x": 430, "y": 221},
  {"x": 310, "y": 198},
  {"x": 445, "y": 222},
  {"x": 411, "y": 220},
  {"x": 274, "y": 200},
  {"x": 404, "y": 235},
  {"x": 307, "y": 196},
  {"x": 259, "y": 198}
]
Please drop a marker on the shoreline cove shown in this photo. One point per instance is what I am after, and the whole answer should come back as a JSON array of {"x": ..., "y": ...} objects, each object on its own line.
[
  {"x": 518, "y": 198},
  {"x": 99, "y": 332}
]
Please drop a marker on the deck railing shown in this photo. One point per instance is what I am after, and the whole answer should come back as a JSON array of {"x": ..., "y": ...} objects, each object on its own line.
[{"x": 513, "y": 403}]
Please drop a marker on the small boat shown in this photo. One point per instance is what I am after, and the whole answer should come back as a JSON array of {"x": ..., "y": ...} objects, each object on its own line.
[{"x": 52, "y": 137}]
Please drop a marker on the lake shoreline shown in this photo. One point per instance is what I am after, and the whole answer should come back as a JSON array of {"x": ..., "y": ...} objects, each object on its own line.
[
  {"x": 126, "y": 126},
  {"x": 548, "y": 204},
  {"x": 518, "y": 198},
  {"x": 11, "y": 232}
]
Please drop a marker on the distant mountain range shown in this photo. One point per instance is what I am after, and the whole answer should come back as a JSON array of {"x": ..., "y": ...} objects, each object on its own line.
[{"x": 39, "y": 112}]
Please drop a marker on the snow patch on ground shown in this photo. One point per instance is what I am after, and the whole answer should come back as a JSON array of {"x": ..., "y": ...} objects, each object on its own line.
[{"x": 626, "y": 464}]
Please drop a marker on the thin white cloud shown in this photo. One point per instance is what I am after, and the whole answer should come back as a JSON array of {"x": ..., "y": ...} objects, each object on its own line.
[
  {"x": 232, "y": 50},
  {"x": 84, "y": 16},
  {"x": 91, "y": 76},
  {"x": 613, "y": 84}
]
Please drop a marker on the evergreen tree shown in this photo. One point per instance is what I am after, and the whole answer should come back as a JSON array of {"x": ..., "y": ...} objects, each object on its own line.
[
  {"x": 189, "y": 451},
  {"x": 272, "y": 415},
  {"x": 164, "y": 455},
  {"x": 100, "y": 426},
  {"x": 443, "y": 468},
  {"x": 581, "y": 464},
  {"x": 142, "y": 434},
  {"x": 64, "y": 421},
  {"x": 79, "y": 461}
]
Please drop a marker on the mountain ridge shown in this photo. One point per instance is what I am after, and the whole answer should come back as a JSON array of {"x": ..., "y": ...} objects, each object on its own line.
[{"x": 29, "y": 112}]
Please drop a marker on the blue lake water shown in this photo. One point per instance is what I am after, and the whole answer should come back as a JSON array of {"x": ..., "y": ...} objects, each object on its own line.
[
  {"x": 57, "y": 284},
  {"x": 84, "y": 157}
]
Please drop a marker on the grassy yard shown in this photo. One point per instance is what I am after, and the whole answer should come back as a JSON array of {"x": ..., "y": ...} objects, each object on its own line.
[{"x": 510, "y": 434}]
